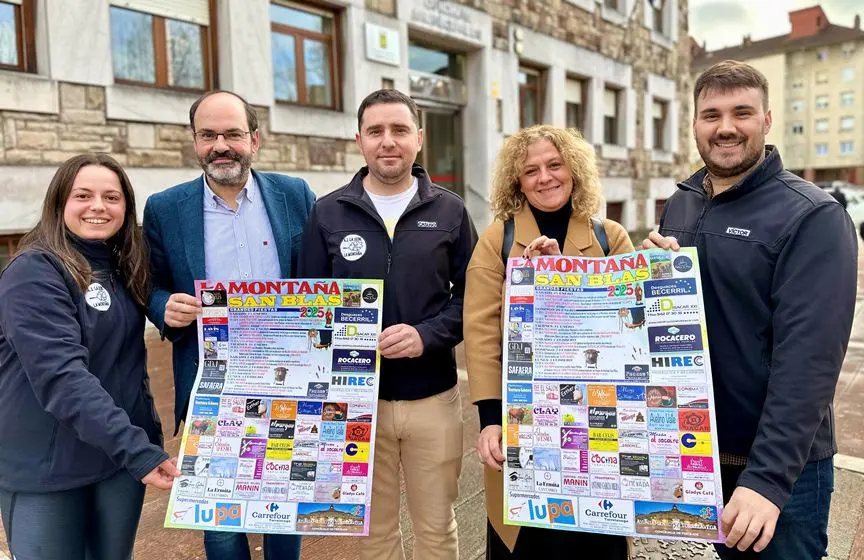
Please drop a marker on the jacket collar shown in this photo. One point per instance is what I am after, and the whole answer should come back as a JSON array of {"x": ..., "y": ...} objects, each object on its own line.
[
  {"x": 770, "y": 167},
  {"x": 355, "y": 189},
  {"x": 99, "y": 254},
  {"x": 191, "y": 210},
  {"x": 578, "y": 231}
]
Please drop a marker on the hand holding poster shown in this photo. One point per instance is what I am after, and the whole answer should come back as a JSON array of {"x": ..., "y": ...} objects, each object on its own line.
[
  {"x": 609, "y": 409},
  {"x": 278, "y": 436}
]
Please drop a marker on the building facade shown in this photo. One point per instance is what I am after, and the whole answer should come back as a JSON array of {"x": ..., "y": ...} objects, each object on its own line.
[
  {"x": 815, "y": 75},
  {"x": 118, "y": 76}
]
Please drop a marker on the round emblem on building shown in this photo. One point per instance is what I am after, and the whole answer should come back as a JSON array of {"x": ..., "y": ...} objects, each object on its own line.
[
  {"x": 370, "y": 295},
  {"x": 352, "y": 247},
  {"x": 682, "y": 263},
  {"x": 98, "y": 297}
]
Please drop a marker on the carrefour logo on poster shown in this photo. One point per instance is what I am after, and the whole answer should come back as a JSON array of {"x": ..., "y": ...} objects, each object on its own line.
[
  {"x": 361, "y": 361},
  {"x": 606, "y": 514}
]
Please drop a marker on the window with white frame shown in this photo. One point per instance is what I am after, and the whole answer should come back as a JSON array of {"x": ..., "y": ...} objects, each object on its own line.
[
  {"x": 847, "y": 74},
  {"x": 18, "y": 35},
  {"x": 847, "y": 147},
  {"x": 848, "y": 50},
  {"x": 162, "y": 44},
  {"x": 847, "y": 98},
  {"x": 798, "y": 128},
  {"x": 822, "y": 149},
  {"x": 611, "y": 116},
  {"x": 797, "y": 106},
  {"x": 304, "y": 46},
  {"x": 576, "y": 93},
  {"x": 798, "y": 84},
  {"x": 616, "y": 5},
  {"x": 821, "y": 101},
  {"x": 659, "y": 114},
  {"x": 822, "y": 77},
  {"x": 847, "y": 123},
  {"x": 821, "y": 125}
]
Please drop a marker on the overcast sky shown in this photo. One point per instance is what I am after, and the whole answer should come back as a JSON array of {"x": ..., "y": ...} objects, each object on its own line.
[{"x": 722, "y": 23}]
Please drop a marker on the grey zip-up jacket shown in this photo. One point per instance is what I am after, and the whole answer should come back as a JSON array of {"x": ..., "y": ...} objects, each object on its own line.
[{"x": 778, "y": 258}]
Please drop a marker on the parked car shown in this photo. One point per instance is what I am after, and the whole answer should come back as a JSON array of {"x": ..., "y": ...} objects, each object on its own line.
[{"x": 854, "y": 200}]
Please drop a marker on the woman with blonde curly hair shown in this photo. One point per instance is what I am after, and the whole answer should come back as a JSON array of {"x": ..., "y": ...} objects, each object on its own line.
[{"x": 546, "y": 182}]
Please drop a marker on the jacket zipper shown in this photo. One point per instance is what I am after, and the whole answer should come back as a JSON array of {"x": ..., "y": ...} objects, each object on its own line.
[{"x": 390, "y": 241}]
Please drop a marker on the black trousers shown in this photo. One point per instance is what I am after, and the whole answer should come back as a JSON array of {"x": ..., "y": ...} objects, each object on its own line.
[{"x": 534, "y": 543}]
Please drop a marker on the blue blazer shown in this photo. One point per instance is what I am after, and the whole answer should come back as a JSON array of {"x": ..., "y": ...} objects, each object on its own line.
[{"x": 174, "y": 228}]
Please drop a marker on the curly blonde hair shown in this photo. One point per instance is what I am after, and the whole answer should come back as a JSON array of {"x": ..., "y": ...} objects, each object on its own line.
[{"x": 578, "y": 156}]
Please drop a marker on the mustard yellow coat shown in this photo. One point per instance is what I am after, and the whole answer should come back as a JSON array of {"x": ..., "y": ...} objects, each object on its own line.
[{"x": 484, "y": 321}]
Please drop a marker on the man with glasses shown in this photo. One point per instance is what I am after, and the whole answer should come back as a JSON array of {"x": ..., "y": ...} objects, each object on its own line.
[{"x": 231, "y": 223}]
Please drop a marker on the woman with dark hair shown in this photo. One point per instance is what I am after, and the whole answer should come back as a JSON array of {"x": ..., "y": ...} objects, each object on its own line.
[{"x": 80, "y": 435}]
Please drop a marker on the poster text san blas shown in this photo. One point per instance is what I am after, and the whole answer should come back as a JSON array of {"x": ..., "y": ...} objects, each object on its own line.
[
  {"x": 280, "y": 429},
  {"x": 609, "y": 405}
]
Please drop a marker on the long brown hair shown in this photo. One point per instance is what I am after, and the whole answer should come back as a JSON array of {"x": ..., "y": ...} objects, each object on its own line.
[{"x": 51, "y": 235}]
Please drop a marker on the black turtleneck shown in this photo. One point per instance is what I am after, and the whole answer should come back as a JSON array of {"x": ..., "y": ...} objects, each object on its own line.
[{"x": 553, "y": 224}]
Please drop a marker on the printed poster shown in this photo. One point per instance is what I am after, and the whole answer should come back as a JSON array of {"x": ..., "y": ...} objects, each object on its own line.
[
  {"x": 281, "y": 422},
  {"x": 609, "y": 415}
]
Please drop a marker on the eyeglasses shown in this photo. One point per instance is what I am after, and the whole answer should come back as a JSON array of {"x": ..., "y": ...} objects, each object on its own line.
[{"x": 231, "y": 136}]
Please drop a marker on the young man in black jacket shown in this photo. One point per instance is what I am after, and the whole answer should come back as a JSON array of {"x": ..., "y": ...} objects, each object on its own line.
[
  {"x": 778, "y": 259},
  {"x": 392, "y": 222}
]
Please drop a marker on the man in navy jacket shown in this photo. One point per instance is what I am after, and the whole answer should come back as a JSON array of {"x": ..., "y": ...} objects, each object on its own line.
[
  {"x": 778, "y": 260},
  {"x": 232, "y": 223},
  {"x": 392, "y": 222}
]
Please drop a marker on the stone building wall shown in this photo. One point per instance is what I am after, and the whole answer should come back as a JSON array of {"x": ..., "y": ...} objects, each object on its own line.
[
  {"x": 632, "y": 45},
  {"x": 81, "y": 126}
]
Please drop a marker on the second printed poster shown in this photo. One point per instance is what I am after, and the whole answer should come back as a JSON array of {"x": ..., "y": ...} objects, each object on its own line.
[{"x": 609, "y": 405}]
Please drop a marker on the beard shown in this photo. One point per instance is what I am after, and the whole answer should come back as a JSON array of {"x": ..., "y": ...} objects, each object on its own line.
[
  {"x": 230, "y": 175},
  {"x": 732, "y": 165},
  {"x": 390, "y": 174}
]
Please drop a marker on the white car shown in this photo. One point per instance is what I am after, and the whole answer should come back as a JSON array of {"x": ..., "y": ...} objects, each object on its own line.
[{"x": 854, "y": 200}]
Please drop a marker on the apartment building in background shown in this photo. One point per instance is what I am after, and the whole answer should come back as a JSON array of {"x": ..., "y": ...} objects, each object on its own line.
[
  {"x": 816, "y": 92},
  {"x": 118, "y": 76}
]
